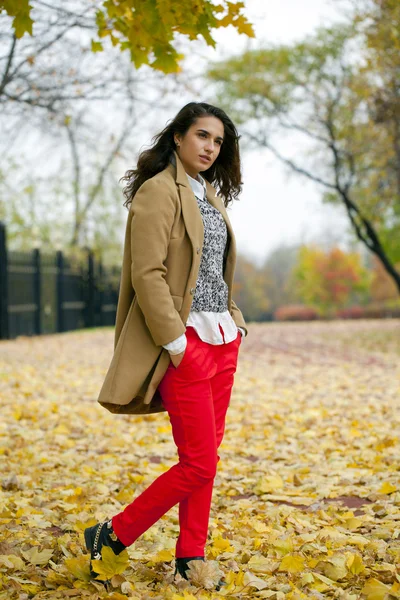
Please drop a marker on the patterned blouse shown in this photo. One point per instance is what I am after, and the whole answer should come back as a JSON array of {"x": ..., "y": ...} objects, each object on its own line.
[{"x": 209, "y": 308}]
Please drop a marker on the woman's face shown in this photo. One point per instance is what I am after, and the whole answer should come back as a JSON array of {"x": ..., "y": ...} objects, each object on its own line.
[{"x": 199, "y": 148}]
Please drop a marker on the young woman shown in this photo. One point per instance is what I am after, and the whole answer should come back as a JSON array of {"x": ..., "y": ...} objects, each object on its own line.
[{"x": 179, "y": 261}]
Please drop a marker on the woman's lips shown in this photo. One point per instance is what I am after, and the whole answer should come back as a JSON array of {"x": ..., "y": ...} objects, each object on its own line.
[{"x": 207, "y": 160}]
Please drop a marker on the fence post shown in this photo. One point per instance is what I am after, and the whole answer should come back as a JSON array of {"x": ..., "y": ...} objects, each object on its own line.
[
  {"x": 100, "y": 291},
  {"x": 37, "y": 297},
  {"x": 60, "y": 290},
  {"x": 90, "y": 308},
  {"x": 4, "y": 329}
]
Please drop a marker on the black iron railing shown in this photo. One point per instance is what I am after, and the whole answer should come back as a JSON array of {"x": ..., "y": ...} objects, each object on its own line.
[{"x": 47, "y": 293}]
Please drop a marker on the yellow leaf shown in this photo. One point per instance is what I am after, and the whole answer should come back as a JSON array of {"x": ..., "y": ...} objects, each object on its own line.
[
  {"x": 230, "y": 577},
  {"x": 239, "y": 580},
  {"x": 355, "y": 564},
  {"x": 261, "y": 564},
  {"x": 163, "y": 556},
  {"x": 97, "y": 46},
  {"x": 259, "y": 526},
  {"x": 320, "y": 586},
  {"x": 125, "y": 495},
  {"x": 283, "y": 545},
  {"x": 358, "y": 540},
  {"x": 387, "y": 488},
  {"x": 136, "y": 478},
  {"x": 307, "y": 578},
  {"x": 11, "y": 561},
  {"x": 126, "y": 587},
  {"x": 292, "y": 563},
  {"x": 53, "y": 577},
  {"x": 353, "y": 523},
  {"x": 37, "y": 558},
  {"x": 395, "y": 589},
  {"x": 324, "y": 579},
  {"x": 252, "y": 580},
  {"x": 334, "y": 567},
  {"x": 220, "y": 545},
  {"x": 204, "y": 574},
  {"x": 79, "y": 567},
  {"x": 243, "y": 26},
  {"x": 32, "y": 588},
  {"x": 82, "y": 525},
  {"x": 111, "y": 563},
  {"x": 375, "y": 590},
  {"x": 270, "y": 483}
]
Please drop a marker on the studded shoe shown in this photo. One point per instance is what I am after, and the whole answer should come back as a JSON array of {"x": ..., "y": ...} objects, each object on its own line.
[
  {"x": 181, "y": 566},
  {"x": 98, "y": 536}
]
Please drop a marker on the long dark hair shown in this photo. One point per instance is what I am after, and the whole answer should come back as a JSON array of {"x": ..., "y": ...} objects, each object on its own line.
[{"x": 224, "y": 174}]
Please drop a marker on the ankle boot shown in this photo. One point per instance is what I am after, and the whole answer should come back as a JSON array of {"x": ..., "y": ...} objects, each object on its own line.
[
  {"x": 181, "y": 566},
  {"x": 101, "y": 534}
]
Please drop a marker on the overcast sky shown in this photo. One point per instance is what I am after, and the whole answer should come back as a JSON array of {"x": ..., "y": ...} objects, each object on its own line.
[{"x": 271, "y": 209}]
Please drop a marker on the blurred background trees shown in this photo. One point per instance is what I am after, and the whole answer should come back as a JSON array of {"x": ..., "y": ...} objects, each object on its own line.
[
  {"x": 82, "y": 85},
  {"x": 339, "y": 89},
  {"x": 72, "y": 114}
]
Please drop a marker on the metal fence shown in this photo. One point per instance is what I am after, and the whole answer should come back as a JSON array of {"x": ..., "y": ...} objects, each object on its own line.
[{"x": 48, "y": 293}]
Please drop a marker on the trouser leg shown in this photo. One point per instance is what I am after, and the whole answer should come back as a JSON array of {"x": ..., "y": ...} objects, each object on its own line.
[
  {"x": 187, "y": 396},
  {"x": 194, "y": 509}
]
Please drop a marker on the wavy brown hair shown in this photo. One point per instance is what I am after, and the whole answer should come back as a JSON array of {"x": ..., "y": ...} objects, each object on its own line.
[{"x": 225, "y": 172}]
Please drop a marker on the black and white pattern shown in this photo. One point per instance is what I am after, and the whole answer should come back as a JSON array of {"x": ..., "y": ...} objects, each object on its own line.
[
  {"x": 209, "y": 308},
  {"x": 211, "y": 292}
]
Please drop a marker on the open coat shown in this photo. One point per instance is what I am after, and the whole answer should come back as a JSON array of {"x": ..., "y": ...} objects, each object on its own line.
[{"x": 162, "y": 252}]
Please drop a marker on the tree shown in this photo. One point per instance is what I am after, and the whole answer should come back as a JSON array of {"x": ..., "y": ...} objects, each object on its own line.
[
  {"x": 249, "y": 290},
  {"x": 145, "y": 29},
  {"x": 276, "y": 276},
  {"x": 79, "y": 115},
  {"x": 327, "y": 280},
  {"x": 382, "y": 286},
  {"x": 319, "y": 90},
  {"x": 81, "y": 108},
  {"x": 34, "y": 72},
  {"x": 379, "y": 23}
]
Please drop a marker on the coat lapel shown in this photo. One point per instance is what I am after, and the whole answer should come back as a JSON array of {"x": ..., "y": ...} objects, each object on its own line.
[
  {"x": 194, "y": 222},
  {"x": 192, "y": 216}
]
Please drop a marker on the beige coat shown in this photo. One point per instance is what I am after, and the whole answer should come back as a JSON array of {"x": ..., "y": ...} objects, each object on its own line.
[{"x": 163, "y": 244}]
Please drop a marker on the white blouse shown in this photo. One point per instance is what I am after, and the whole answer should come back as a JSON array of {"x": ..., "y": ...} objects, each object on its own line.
[{"x": 206, "y": 323}]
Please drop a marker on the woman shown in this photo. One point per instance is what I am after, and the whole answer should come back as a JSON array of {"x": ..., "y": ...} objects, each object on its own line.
[{"x": 176, "y": 299}]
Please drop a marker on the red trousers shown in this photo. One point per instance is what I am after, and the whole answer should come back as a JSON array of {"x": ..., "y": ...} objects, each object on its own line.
[{"x": 196, "y": 395}]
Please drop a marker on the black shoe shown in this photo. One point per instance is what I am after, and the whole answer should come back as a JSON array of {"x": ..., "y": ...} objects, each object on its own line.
[
  {"x": 181, "y": 566},
  {"x": 98, "y": 536}
]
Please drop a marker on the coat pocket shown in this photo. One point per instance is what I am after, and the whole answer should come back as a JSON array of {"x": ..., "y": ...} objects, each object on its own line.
[{"x": 178, "y": 301}]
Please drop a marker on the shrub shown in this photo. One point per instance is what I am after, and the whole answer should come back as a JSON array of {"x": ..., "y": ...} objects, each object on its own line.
[
  {"x": 353, "y": 312},
  {"x": 295, "y": 312},
  {"x": 380, "y": 311}
]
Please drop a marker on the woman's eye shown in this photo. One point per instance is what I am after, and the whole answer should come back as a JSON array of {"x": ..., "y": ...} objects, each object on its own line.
[{"x": 203, "y": 135}]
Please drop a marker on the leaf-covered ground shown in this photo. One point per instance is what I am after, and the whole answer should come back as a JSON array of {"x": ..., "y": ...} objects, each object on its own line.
[{"x": 307, "y": 497}]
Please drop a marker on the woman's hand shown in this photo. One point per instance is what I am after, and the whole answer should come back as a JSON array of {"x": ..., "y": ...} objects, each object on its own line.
[{"x": 176, "y": 359}]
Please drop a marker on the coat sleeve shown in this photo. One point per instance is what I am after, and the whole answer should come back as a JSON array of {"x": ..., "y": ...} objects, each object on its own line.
[
  {"x": 238, "y": 317},
  {"x": 153, "y": 211}
]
